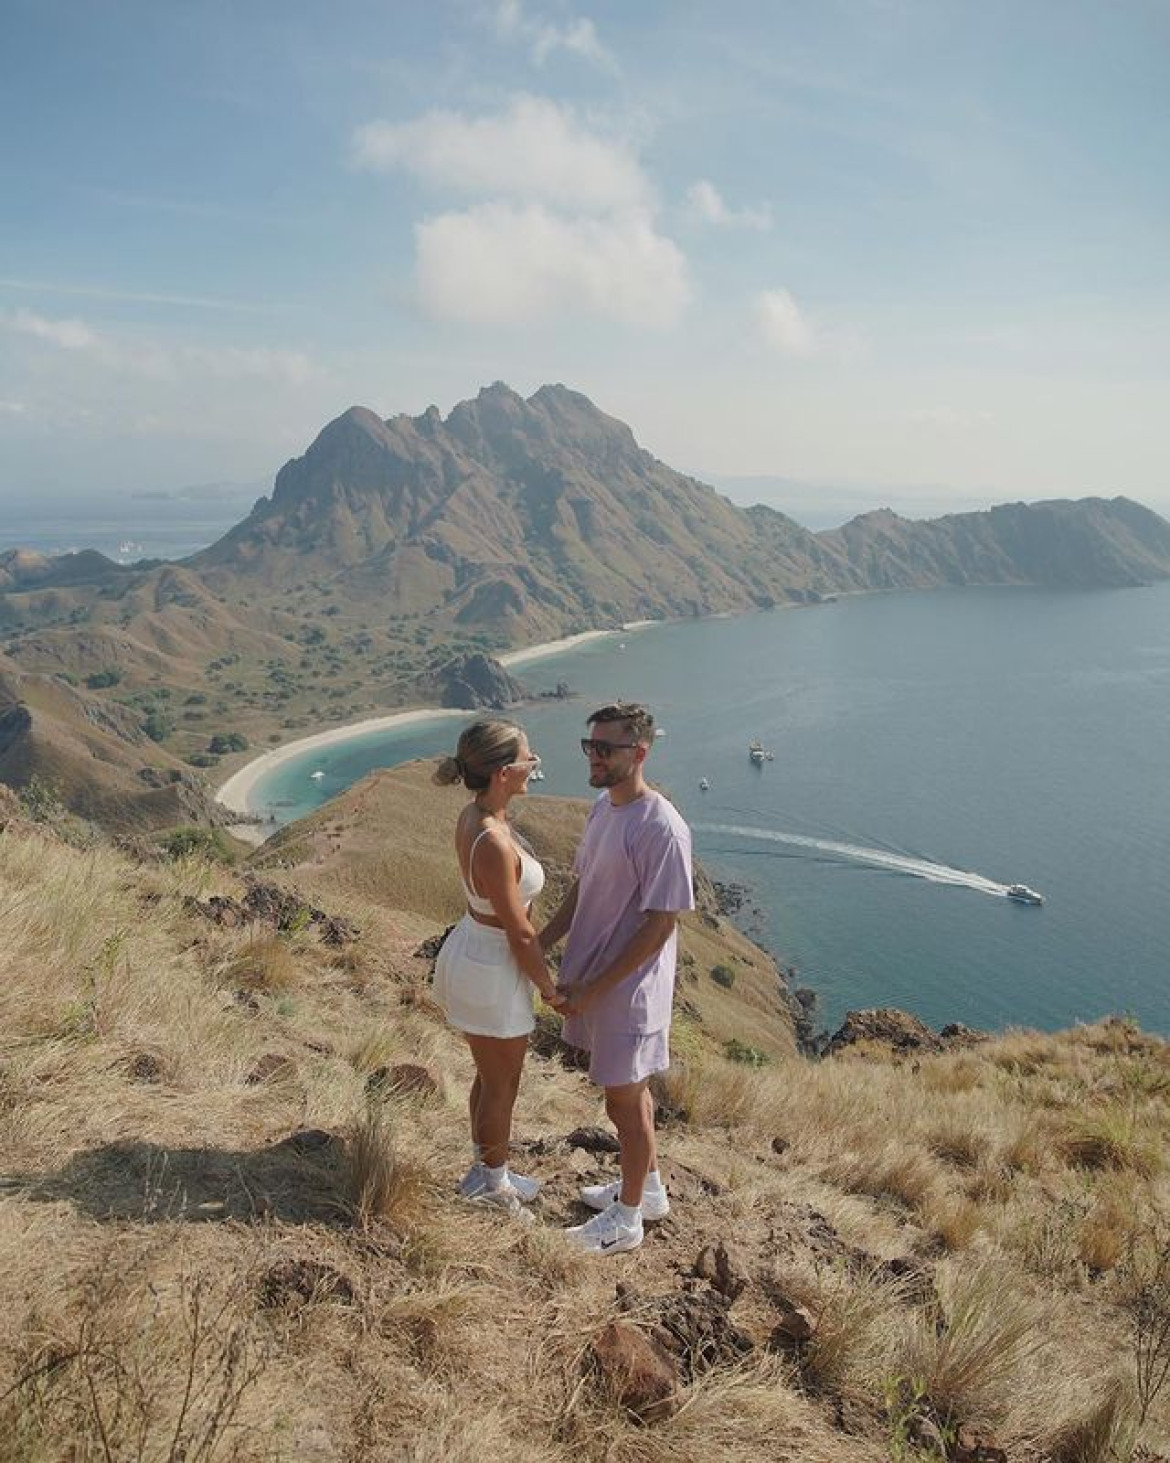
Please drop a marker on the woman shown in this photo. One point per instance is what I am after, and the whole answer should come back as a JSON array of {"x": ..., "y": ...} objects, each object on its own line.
[{"x": 492, "y": 959}]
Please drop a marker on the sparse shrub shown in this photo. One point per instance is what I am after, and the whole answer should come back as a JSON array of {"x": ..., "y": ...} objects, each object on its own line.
[
  {"x": 42, "y": 800},
  {"x": 202, "y": 759},
  {"x": 206, "y": 843},
  {"x": 263, "y": 963},
  {"x": 100, "y": 680},
  {"x": 1146, "y": 1287},
  {"x": 723, "y": 975},
  {"x": 1104, "y": 1432},
  {"x": 954, "y": 1219},
  {"x": 1106, "y": 1230},
  {"x": 967, "y": 1365},
  {"x": 381, "y": 1186},
  {"x": 157, "y": 726},
  {"x": 1110, "y": 1138},
  {"x": 957, "y": 1143},
  {"x": 738, "y": 1051},
  {"x": 232, "y": 741}
]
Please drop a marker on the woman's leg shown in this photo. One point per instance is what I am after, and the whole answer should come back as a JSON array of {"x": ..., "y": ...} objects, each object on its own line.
[
  {"x": 498, "y": 1063},
  {"x": 473, "y": 1107}
]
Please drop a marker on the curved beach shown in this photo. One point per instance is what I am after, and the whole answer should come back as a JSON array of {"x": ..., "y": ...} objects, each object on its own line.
[{"x": 237, "y": 793}]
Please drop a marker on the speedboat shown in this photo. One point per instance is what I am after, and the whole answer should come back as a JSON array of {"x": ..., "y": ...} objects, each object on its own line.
[
  {"x": 317, "y": 776},
  {"x": 537, "y": 776},
  {"x": 1023, "y": 895},
  {"x": 756, "y": 752},
  {"x": 704, "y": 785}
]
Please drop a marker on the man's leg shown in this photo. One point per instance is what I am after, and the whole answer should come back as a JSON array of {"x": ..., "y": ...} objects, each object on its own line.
[{"x": 631, "y": 1110}]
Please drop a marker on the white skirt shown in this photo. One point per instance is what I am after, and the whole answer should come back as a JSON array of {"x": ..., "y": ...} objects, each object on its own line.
[{"x": 479, "y": 985}]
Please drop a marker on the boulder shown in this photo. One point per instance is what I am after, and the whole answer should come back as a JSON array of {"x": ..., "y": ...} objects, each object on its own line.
[
  {"x": 404, "y": 1079},
  {"x": 976, "y": 1445},
  {"x": 638, "y": 1371},
  {"x": 886, "y": 1026},
  {"x": 694, "y": 1326},
  {"x": 270, "y": 1066},
  {"x": 723, "y": 1269},
  {"x": 299, "y": 1282},
  {"x": 796, "y": 1327},
  {"x": 594, "y": 1140}
]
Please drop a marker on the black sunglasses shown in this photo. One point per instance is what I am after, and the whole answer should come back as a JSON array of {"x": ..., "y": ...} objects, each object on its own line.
[{"x": 592, "y": 747}]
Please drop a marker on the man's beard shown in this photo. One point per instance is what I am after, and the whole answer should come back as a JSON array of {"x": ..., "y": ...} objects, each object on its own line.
[{"x": 606, "y": 777}]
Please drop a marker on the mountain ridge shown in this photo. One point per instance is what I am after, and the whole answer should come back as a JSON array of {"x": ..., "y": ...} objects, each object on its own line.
[{"x": 391, "y": 545}]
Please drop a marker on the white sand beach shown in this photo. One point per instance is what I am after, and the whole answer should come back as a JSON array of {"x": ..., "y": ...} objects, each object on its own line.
[
  {"x": 237, "y": 793},
  {"x": 551, "y": 647}
]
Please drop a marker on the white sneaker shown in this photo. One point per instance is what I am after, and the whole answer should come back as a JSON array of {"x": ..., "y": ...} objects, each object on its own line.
[
  {"x": 606, "y": 1233},
  {"x": 474, "y": 1181},
  {"x": 506, "y": 1198},
  {"x": 655, "y": 1204}
]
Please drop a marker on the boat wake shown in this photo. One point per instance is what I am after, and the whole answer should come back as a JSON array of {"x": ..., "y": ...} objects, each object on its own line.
[{"x": 853, "y": 853}]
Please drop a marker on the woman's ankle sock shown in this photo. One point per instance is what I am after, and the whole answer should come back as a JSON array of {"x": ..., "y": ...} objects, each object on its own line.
[{"x": 495, "y": 1177}]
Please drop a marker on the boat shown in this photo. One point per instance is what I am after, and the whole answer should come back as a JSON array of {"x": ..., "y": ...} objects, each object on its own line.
[
  {"x": 537, "y": 776},
  {"x": 756, "y": 753},
  {"x": 704, "y": 785},
  {"x": 1023, "y": 895},
  {"x": 317, "y": 776}
]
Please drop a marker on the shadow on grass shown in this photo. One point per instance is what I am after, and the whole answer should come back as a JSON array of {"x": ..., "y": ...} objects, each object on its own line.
[{"x": 300, "y": 1180}]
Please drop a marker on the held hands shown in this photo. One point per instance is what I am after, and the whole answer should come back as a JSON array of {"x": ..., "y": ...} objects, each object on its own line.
[{"x": 574, "y": 1000}]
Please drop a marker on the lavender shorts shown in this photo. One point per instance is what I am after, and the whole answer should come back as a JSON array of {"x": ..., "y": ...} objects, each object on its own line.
[{"x": 617, "y": 1058}]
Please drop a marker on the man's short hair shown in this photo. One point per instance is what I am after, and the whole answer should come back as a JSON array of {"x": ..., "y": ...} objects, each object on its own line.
[{"x": 637, "y": 720}]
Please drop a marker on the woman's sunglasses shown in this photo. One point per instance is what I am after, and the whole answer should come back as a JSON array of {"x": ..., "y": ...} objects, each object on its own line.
[{"x": 593, "y": 748}]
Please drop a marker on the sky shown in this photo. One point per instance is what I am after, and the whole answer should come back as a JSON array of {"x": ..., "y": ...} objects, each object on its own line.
[{"x": 832, "y": 255}]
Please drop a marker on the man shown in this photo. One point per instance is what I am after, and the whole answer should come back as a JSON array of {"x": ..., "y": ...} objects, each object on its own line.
[{"x": 617, "y": 975}]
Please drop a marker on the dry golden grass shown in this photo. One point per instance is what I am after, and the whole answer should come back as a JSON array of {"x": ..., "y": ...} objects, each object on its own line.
[{"x": 177, "y": 1278}]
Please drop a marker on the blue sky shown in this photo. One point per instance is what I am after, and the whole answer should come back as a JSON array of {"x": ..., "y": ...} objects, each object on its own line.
[{"x": 888, "y": 251}]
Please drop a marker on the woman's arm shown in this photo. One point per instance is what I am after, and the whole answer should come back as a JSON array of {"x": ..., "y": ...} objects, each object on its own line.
[
  {"x": 558, "y": 926},
  {"x": 495, "y": 877}
]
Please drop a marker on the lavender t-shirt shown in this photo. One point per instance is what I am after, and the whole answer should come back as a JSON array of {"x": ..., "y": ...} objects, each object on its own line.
[{"x": 632, "y": 859}]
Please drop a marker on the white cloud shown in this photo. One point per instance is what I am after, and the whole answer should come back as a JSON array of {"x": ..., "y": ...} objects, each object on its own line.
[
  {"x": 70, "y": 335},
  {"x": 498, "y": 263},
  {"x": 579, "y": 37},
  {"x": 705, "y": 203},
  {"x": 13, "y": 408},
  {"x": 136, "y": 356},
  {"x": 534, "y": 150},
  {"x": 782, "y": 325}
]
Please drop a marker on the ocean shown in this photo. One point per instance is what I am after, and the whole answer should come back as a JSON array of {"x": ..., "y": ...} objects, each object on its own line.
[{"x": 928, "y": 750}]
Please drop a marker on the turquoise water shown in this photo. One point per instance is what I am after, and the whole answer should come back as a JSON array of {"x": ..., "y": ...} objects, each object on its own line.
[{"x": 929, "y": 749}]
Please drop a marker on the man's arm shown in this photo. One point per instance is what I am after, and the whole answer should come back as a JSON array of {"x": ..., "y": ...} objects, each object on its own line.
[
  {"x": 643, "y": 945},
  {"x": 558, "y": 927}
]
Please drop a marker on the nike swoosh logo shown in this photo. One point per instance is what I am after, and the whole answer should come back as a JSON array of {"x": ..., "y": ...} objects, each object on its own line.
[{"x": 607, "y": 1244}]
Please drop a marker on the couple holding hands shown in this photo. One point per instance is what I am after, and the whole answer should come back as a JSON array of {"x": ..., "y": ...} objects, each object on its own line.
[{"x": 616, "y": 984}]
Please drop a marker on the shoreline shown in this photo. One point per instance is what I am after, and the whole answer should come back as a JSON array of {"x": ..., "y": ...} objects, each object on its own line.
[{"x": 236, "y": 792}]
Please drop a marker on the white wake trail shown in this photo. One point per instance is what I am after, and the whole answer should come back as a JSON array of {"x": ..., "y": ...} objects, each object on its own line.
[{"x": 877, "y": 858}]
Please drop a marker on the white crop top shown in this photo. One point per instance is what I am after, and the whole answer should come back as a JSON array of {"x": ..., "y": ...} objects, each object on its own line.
[{"x": 531, "y": 876}]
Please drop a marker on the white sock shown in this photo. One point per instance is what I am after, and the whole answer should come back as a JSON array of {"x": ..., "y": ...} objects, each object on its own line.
[
  {"x": 652, "y": 1180},
  {"x": 495, "y": 1177},
  {"x": 629, "y": 1213}
]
